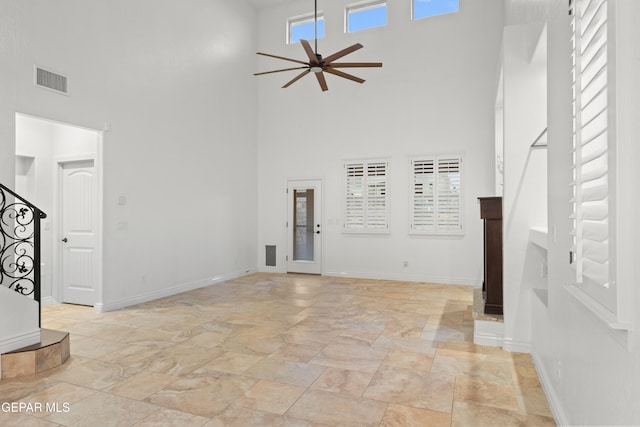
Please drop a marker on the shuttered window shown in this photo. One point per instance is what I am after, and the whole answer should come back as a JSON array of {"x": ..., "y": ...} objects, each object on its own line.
[
  {"x": 436, "y": 195},
  {"x": 592, "y": 229},
  {"x": 366, "y": 198}
]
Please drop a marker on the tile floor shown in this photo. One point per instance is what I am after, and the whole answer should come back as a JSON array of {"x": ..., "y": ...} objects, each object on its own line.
[{"x": 281, "y": 350}]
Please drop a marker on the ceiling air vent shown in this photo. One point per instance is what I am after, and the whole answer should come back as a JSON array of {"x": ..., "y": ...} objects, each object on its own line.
[{"x": 49, "y": 80}]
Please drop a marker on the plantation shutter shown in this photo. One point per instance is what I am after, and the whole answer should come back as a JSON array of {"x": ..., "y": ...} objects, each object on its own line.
[
  {"x": 448, "y": 201},
  {"x": 377, "y": 196},
  {"x": 590, "y": 187},
  {"x": 423, "y": 195},
  {"x": 366, "y": 202},
  {"x": 436, "y": 200},
  {"x": 354, "y": 198}
]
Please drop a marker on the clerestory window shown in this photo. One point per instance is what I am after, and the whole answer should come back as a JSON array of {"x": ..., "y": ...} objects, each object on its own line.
[
  {"x": 360, "y": 16},
  {"x": 303, "y": 28},
  {"x": 427, "y": 8}
]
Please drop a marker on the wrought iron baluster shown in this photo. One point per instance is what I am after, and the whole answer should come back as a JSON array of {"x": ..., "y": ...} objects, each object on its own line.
[{"x": 20, "y": 245}]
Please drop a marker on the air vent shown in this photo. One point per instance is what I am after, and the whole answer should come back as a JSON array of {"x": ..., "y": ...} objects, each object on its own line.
[
  {"x": 270, "y": 256},
  {"x": 49, "y": 80}
]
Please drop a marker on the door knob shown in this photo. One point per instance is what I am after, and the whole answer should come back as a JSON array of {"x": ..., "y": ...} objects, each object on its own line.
[{"x": 65, "y": 240}]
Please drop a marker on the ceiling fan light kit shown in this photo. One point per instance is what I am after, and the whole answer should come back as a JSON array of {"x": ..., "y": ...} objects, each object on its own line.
[{"x": 319, "y": 65}]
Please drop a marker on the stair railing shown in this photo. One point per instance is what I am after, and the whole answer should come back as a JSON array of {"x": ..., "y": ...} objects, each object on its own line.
[{"x": 20, "y": 245}]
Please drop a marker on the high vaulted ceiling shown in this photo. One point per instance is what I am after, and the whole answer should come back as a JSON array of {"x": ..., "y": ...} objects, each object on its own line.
[{"x": 261, "y": 4}]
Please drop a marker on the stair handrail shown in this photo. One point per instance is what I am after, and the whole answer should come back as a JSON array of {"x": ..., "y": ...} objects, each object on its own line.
[{"x": 10, "y": 211}]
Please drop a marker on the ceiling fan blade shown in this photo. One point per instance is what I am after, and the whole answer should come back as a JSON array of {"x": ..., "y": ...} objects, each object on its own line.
[
  {"x": 313, "y": 59},
  {"x": 282, "y": 57},
  {"x": 322, "y": 81},
  {"x": 342, "y": 53},
  {"x": 279, "y": 71},
  {"x": 344, "y": 75},
  {"x": 296, "y": 78},
  {"x": 354, "y": 64}
]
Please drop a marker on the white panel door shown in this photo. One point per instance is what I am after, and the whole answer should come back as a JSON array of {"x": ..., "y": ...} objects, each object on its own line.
[
  {"x": 304, "y": 223},
  {"x": 79, "y": 219}
]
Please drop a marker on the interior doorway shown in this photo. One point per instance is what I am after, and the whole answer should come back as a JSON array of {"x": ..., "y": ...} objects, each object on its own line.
[
  {"x": 58, "y": 166},
  {"x": 304, "y": 226}
]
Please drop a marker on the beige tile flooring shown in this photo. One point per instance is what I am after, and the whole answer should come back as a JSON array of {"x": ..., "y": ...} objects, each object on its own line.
[{"x": 281, "y": 350}]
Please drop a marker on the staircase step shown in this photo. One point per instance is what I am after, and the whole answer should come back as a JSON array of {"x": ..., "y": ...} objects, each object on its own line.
[{"x": 52, "y": 351}]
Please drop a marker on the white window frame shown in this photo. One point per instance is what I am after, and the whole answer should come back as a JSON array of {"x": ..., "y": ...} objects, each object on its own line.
[
  {"x": 370, "y": 224},
  {"x": 419, "y": 222},
  {"x": 303, "y": 19},
  {"x": 593, "y": 219},
  {"x": 359, "y": 7}
]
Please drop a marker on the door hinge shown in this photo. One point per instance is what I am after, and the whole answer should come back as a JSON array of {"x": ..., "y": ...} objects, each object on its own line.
[
  {"x": 287, "y": 224},
  {"x": 286, "y": 258}
]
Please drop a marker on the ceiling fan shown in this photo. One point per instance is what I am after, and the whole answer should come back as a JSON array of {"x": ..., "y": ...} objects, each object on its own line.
[{"x": 319, "y": 65}]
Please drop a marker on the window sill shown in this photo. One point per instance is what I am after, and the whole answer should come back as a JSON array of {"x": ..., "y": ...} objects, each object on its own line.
[
  {"x": 609, "y": 318},
  {"x": 367, "y": 233},
  {"x": 435, "y": 233}
]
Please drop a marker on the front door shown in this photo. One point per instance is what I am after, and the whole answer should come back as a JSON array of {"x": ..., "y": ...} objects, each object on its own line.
[
  {"x": 79, "y": 222},
  {"x": 304, "y": 221}
]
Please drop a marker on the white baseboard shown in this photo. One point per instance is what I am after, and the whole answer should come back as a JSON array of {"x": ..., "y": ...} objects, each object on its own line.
[
  {"x": 552, "y": 397},
  {"x": 491, "y": 333},
  {"x": 407, "y": 278},
  {"x": 19, "y": 341},
  {"x": 173, "y": 290},
  {"x": 44, "y": 301},
  {"x": 516, "y": 346},
  {"x": 488, "y": 333}
]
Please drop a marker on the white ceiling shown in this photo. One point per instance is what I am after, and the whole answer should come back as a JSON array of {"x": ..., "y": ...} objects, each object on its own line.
[{"x": 261, "y": 4}]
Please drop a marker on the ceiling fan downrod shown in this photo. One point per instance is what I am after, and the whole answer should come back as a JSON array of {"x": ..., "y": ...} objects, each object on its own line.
[{"x": 315, "y": 24}]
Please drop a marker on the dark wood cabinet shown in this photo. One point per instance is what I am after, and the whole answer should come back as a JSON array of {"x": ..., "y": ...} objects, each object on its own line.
[{"x": 491, "y": 213}]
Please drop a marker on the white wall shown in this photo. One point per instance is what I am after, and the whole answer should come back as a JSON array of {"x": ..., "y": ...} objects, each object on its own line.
[
  {"x": 525, "y": 172},
  {"x": 18, "y": 321},
  {"x": 590, "y": 371},
  {"x": 174, "y": 85},
  {"x": 434, "y": 94},
  {"x": 499, "y": 135},
  {"x": 69, "y": 141}
]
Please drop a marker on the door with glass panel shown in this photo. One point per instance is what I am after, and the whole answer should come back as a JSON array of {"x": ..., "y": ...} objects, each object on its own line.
[{"x": 304, "y": 226}]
